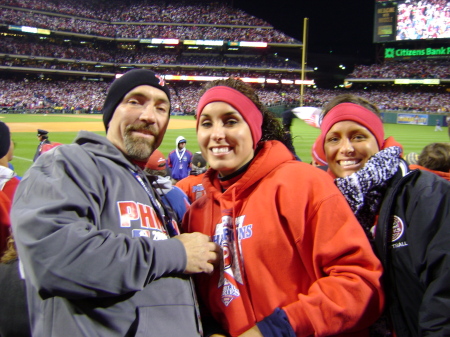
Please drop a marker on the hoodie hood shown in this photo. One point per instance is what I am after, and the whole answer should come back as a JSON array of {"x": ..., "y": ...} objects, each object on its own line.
[
  {"x": 179, "y": 139},
  {"x": 269, "y": 156},
  {"x": 102, "y": 147}
]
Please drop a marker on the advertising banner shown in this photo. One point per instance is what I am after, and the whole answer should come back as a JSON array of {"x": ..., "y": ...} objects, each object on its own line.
[{"x": 412, "y": 119}]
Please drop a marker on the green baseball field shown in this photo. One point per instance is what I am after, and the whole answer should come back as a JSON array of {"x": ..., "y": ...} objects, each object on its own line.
[{"x": 63, "y": 129}]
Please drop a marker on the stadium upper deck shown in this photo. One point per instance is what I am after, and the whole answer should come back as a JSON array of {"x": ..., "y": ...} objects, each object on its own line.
[{"x": 94, "y": 40}]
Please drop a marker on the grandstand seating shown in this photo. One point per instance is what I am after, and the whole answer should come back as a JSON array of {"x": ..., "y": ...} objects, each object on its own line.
[{"x": 72, "y": 67}]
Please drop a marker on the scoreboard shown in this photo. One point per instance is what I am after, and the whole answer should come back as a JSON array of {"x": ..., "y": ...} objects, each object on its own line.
[{"x": 410, "y": 20}]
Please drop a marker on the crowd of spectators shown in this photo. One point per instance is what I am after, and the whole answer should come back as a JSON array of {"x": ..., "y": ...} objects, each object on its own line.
[
  {"x": 185, "y": 28},
  {"x": 67, "y": 95},
  {"x": 13, "y": 46},
  {"x": 424, "y": 19},
  {"x": 145, "y": 11},
  {"x": 98, "y": 72},
  {"x": 89, "y": 95},
  {"x": 100, "y": 9},
  {"x": 145, "y": 19},
  {"x": 417, "y": 69}
]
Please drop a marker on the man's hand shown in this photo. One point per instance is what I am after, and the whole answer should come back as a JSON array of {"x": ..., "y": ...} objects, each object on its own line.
[{"x": 201, "y": 253}]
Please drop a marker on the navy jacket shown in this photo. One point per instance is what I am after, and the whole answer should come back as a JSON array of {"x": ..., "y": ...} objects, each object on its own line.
[{"x": 413, "y": 243}]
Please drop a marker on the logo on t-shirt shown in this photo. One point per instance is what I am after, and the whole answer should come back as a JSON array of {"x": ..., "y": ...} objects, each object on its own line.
[
  {"x": 141, "y": 219},
  {"x": 229, "y": 292},
  {"x": 229, "y": 237}
]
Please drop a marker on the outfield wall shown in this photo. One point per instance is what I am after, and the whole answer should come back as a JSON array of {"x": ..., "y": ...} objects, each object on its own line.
[
  {"x": 390, "y": 117},
  {"x": 407, "y": 117}
]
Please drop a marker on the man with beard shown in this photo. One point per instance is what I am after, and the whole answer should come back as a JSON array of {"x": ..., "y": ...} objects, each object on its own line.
[{"x": 101, "y": 254}]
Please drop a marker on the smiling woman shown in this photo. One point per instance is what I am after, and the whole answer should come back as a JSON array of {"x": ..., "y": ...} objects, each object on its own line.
[
  {"x": 405, "y": 214},
  {"x": 225, "y": 138},
  {"x": 351, "y": 134},
  {"x": 260, "y": 199}
]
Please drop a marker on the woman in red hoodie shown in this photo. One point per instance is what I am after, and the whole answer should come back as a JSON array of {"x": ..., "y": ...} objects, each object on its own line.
[{"x": 295, "y": 260}]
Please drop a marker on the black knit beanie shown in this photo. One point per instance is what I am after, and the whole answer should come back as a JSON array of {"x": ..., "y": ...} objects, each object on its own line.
[
  {"x": 124, "y": 84},
  {"x": 5, "y": 139}
]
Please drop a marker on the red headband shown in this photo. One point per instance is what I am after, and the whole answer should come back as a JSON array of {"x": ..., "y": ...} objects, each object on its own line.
[
  {"x": 251, "y": 114},
  {"x": 354, "y": 113}
]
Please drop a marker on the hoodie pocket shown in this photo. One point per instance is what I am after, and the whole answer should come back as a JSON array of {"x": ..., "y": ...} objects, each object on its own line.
[{"x": 167, "y": 320}]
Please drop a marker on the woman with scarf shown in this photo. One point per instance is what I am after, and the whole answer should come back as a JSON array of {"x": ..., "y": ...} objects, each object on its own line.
[
  {"x": 405, "y": 214},
  {"x": 295, "y": 260}
]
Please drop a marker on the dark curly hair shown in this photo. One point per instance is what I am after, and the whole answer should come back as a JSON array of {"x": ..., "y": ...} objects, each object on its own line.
[{"x": 271, "y": 126}]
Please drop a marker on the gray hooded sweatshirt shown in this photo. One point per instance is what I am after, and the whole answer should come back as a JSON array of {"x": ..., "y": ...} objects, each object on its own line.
[{"x": 97, "y": 259}]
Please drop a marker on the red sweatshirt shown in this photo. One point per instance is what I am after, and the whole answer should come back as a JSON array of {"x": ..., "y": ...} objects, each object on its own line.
[
  {"x": 290, "y": 241},
  {"x": 5, "y": 224},
  {"x": 192, "y": 186},
  {"x": 445, "y": 175},
  {"x": 10, "y": 187}
]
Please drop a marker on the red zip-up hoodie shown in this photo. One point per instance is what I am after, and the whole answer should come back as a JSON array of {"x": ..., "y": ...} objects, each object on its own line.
[{"x": 290, "y": 241}]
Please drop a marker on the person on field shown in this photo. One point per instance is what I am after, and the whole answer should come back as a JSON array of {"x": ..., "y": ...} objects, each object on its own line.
[
  {"x": 43, "y": 140},
  {"x": 101, "y": 254},
  {"x": 179, "y": 160}
]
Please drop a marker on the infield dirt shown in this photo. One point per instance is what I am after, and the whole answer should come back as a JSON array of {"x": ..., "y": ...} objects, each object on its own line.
[{"x": 88, "y": 126}]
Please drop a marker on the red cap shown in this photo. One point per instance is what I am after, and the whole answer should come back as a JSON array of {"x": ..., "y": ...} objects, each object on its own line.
[{"x": 156, "y": 161}]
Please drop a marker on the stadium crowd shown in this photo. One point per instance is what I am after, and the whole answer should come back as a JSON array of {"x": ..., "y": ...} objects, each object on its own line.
[
  {"x": 12, "y": 46},
  {"x": 88, "y": 95},
  {"x": 111, "y": 18},
  {"x": 149, "y": 30},
  {"x": 124, "y": 104},
  {"x": 157, "y": 11},
  {"x": 416, "y": 69}
]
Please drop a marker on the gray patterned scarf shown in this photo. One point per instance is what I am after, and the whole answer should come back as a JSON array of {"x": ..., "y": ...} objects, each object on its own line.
[{"x": 364, "y": 190}]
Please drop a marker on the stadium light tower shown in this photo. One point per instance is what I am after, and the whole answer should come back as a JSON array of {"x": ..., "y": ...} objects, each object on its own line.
[{"x": 305, "y": 33}]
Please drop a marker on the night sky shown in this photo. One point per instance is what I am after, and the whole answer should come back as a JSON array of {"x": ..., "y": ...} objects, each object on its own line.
[{"x": 339, "y": 27}]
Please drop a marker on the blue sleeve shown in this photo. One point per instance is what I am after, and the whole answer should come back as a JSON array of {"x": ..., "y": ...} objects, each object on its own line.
[
  {"x": 177, "y": 200},
  {"x": 276, "y": 325},
  {"x": 169, "y": 160}
]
